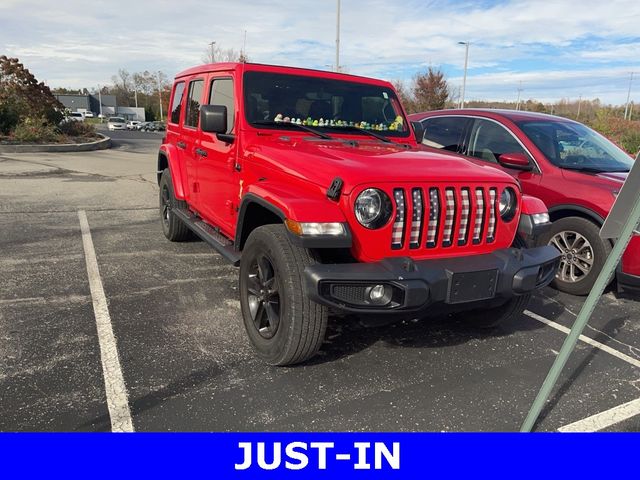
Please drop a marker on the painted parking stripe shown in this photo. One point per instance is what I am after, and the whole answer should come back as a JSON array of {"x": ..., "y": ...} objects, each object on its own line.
[
  {"x": 594, "y": 343},
  {"x": 605, "y": 419},
  {"x": 117, "y": 397}
]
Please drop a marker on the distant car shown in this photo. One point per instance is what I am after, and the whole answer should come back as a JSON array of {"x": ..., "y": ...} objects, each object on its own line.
[
  {"x": 88, "y": 115},
  {"x": 143, "y": 126},
  {"x": 74, "y": 117},
  {"x": 116, "y": 123},
  {"x": 133, "y": 124},
  {"x": 159, "y": 126},
  {"x": 575, "y": 171}
]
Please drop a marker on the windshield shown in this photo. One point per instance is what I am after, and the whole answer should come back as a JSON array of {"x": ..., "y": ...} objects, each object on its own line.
[
  {"x": 321, "y": 103},
  {"x": 576, "y": 147},
  {"x": 116, "y": 120}
]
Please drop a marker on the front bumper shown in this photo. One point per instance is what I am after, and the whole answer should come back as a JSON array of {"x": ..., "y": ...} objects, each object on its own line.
[{"x": 411, "y": 286}]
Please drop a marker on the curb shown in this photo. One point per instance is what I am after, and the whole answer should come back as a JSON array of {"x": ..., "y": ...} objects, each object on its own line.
[{"x": 102, "y": 144}]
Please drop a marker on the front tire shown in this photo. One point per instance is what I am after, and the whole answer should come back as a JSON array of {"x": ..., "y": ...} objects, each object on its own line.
[
  {"x": 283, "y": 325},
  {"x": 583, "y": 253}
]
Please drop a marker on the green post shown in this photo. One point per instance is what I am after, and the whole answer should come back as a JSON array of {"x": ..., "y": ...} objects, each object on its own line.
[{"x": 583, "y": 317}]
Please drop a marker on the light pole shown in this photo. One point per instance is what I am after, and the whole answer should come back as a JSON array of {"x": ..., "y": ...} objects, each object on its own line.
[
  {"x": 160, "y": 95},
  {"x": 579, "y": 105},
  {"x": 213, "y": 58},
  {"x": 464, "y": 78},
  {"x": 626, "y": 107},
  {"x": 338, "y": 37}
]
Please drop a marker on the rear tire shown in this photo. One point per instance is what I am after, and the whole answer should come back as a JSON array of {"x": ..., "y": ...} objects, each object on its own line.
[
  {"x": 172, "y": 227},
  {"x": 283, "y": 325},
  {"x": 579, "y": 242}
]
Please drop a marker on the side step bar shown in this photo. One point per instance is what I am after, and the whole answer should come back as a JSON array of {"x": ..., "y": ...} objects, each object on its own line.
[{"x": 206, "y": 232}]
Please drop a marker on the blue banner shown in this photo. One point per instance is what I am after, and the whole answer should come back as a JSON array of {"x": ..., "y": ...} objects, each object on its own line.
[{"x": 322, "y": 455}]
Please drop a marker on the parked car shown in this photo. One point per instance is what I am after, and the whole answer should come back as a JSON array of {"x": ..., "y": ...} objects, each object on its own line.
[
  {"x": 574, "y": 170},
  {"x": 315, "y": 185},
  {"x": 116, "y": 123},
  {"x": 88, "y": 114},
  {"x": 74, "y": 117},
  {"x": 133, "y": 124},
  {"x": 159, "y": 126}
]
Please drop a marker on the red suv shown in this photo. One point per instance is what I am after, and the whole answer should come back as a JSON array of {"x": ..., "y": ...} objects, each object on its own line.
[
  {"x": 314, "y": 184},
  {"x": 574, "y": 170}
]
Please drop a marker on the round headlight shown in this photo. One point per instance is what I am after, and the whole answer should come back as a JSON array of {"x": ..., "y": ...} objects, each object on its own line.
[
  {"x": 373, "y": 208},
  {"x": 508, "y": 204}
]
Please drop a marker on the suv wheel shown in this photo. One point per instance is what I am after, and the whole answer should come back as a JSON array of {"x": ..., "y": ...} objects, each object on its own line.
[
  {"x": 583, "y": 253},
  {"x": 283, "y": 325},
  {"x": 172, "y": 227}
]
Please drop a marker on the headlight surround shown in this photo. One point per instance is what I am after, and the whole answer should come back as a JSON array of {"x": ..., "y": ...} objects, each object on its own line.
[
  {"x": 373, "y": 208},
  {"x": 508, "y": 204}
]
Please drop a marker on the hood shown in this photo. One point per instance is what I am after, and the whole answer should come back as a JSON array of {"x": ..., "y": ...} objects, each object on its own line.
[{"x": 363, "y": 161}]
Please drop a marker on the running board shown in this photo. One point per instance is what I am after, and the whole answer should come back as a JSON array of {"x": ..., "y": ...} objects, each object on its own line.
[{"x": 206, "y": 232}]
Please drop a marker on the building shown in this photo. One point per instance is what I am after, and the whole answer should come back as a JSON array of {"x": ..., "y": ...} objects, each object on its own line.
[{"x": 91, "y": 103}]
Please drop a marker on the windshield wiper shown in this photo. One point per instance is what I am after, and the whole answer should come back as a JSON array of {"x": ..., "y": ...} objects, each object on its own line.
[
  {"x": 270, "y": 123},
  {"x": 578, "y": 168},
  {"x": 368, "y": 132}
]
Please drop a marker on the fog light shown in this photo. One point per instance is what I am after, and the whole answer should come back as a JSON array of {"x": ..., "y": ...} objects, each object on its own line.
[{"x": 379, "y": 294}]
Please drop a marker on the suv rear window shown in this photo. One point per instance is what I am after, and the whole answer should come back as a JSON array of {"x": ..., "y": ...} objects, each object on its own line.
[
  {"x": 176, "y": 102},
  {"x": 193, "y": 104}
]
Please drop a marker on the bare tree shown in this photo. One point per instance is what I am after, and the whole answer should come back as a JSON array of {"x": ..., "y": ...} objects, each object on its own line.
[
  {"x": 215, "y": 53},
  {"x": 404, "y": 95}
]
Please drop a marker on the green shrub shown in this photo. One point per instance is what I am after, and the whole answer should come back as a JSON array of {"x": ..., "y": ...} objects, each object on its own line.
[
  {"x": 35, "y": 131},
  {"x": 9, "y": 118},
  {"x": 77, "y": 129}
]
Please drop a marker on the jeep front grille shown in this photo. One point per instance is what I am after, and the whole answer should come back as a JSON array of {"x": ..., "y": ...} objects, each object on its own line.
[{"x": 453, "y": 215}]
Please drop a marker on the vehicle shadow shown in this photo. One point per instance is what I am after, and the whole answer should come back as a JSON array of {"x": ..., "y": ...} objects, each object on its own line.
[{"x": 350, "y": 334}]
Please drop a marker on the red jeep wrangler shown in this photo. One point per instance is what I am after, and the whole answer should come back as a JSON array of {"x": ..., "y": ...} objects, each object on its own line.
[{"x": 313, "y": 183}]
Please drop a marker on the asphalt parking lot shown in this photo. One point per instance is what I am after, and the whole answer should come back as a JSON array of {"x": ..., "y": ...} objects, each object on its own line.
[{"x": 182, "y": 350}]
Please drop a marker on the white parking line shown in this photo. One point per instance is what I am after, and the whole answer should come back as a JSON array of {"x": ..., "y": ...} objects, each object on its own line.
[
  {"x": 117, "y": 398},
  {"x": 594, "y": 343},
  {"x": 605, "y": 419}
]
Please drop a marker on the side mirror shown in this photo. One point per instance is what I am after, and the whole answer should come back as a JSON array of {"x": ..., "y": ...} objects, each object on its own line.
[
  {"x": 418, "y": 131},
  {"x": 518, "y": 161},
  {"x": 213, "y": 118}
]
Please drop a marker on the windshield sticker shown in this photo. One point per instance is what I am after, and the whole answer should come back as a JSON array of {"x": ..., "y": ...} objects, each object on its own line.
[{"x": 396, "y": 125}]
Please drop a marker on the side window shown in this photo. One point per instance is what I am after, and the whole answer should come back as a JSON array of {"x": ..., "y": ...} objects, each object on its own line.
[
  {"x": 176, "y": 102},
  {"x": 489, "y": 140},
  {"x": 193, "y": 104},
  {"x": 445, "y": 132},
  {"x": 221, "y": 93}
]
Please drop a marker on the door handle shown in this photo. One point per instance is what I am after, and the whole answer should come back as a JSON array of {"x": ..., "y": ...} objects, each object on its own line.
[
  {"x": 181, "y": 145},
  {"x": 201, "y": 152}
]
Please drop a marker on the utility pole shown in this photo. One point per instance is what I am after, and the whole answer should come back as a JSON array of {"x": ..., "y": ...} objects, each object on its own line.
[
  {"x": 519, "y": 91},
  {"x": 464, "y": 78},
  {"x": 338, "y": 37},
  {"x": 135, "y": 93},
  {"x": 100, "y": 100},
  {"x": 626, "y": 107},
  {"x": 213, "y": 57},
  {"x": 579, "y": 104},
  {"x": 160, "y": 96},
  {"x": 244, "y": 46}
]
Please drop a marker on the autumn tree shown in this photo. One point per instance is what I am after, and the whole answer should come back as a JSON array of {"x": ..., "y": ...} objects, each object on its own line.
[
  {"x": 22, "y": 97},
  {"x": 430, "y": 90}
]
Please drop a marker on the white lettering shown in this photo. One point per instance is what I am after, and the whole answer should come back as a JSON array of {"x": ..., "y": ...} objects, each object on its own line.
[{"x": 293, "y": 454}]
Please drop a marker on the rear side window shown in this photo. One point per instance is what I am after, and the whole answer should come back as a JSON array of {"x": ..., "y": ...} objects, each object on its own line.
[
  {"x": 445, "y": 133},
  {"x": 489, "y": 140},
  {"x": 221, "y": 93},
  {"x": 176, "y": 102},
  {"x": 193, "y": 104}
]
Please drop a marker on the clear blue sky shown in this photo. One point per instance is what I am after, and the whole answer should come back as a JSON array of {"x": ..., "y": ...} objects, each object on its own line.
[{"x": 557, "y": 49}]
